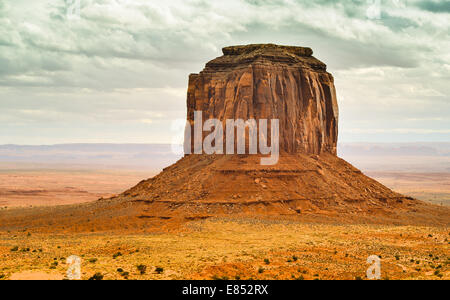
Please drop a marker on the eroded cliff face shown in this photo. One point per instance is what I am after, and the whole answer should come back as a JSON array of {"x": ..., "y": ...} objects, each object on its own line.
[{"x": 271, "y": 82}]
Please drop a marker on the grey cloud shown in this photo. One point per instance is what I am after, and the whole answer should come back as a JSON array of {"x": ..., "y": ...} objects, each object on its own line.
[{"x": 435, "y": 6}]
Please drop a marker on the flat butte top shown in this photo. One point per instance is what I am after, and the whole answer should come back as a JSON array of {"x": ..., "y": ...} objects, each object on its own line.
[{"x": 271, "y": 54}]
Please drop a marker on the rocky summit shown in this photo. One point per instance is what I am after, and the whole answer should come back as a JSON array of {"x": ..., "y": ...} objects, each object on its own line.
[{"x": 271, "y": 82}]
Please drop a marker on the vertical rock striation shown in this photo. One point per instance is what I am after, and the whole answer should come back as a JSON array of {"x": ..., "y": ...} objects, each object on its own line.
[{"x": 271, "y": 82}]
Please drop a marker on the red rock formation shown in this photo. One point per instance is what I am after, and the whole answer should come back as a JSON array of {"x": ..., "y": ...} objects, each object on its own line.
[
  {"x": 266, "y": 82},
  {"x": 308, "y": 182},
  {"x": 271, "y": 82}
]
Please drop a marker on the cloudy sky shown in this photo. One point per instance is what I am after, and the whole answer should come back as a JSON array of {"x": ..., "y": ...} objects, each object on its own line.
[{"x": 118, "y": 72}]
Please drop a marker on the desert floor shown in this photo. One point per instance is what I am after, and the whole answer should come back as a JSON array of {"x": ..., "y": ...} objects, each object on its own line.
[
  {"x": 234, "y": 249},
  {"x": 49, "y": 187},
  {"x": 430, "y": 187},
  {"x": 218, "y": 248}
]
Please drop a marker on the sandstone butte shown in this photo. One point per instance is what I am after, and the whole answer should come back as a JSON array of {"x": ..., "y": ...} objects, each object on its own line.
[
  {"x": 309, "y": 183},
  {"x": 271, "y": 82}
]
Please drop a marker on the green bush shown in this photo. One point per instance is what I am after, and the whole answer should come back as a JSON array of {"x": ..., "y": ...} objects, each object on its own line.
[
  {"x": 97, "y": 276},
  {"x": 142, "y": 269}
]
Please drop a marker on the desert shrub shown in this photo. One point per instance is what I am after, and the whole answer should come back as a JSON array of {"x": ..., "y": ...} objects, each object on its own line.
[
  {"x": 116, "y": 255},
  {"x": 93, "y": 260},
  {"x": 14, "y": 249},
  {"x": 397, "y": 257},
  {"x": 358, "y": 278},
  {"x": 215, "y": 277},
  {"x": 300, "y": 277},
  {"x": 2, "y": 276},
  {"x": 237, "y": 277},
  {"x": 97, "y": 276},
  {"x": 120, "y": 270},
  {"x": 294, "y": 258},
  {"x": 159, "y": 270},
  {"x": 142, "y": 269},
  {"x": 267, "y": 261},
  {"x": 54, "y": 265},
  {"x": 261, "y": 270}
]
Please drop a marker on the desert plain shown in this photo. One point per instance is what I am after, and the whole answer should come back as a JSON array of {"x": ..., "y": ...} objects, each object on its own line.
[{"x": 217, "y": 248}]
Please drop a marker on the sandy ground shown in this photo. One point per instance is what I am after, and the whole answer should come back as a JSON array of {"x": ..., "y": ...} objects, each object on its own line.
[
  {"x": 235, "y": 249},
  {"x": 19, "y": 188},
  {"x": 430, "y": 187}
]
